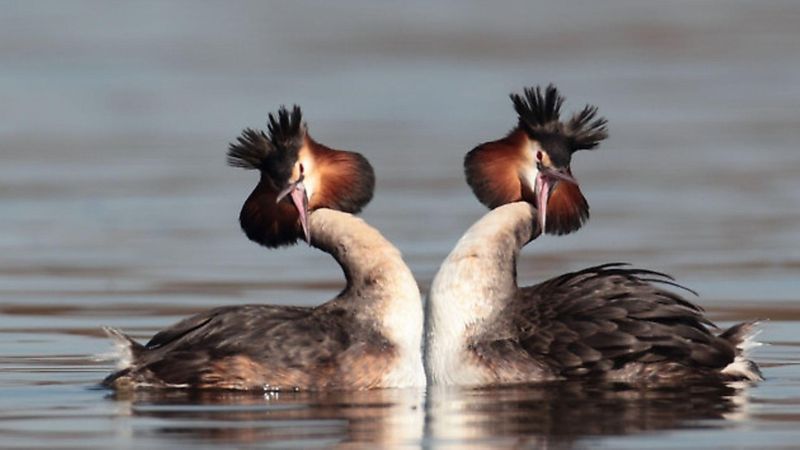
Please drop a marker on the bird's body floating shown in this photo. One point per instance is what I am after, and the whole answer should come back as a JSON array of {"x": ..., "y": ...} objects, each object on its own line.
[
  {"x": 369, "y": 336},
  {"x": 609, "y": 322}
]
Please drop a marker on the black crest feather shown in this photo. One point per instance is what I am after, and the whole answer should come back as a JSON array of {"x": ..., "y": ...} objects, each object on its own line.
[
  {"x": 585, "y": 129},
  {"x": 250, "y": 149},
  {"x": 288, "y": 129},
  {"x": 540, "y": 115},
  {"x": 539, "y": 111},
  {"x": 255, "y": 149},
  {"x": 275, "y": 152}
]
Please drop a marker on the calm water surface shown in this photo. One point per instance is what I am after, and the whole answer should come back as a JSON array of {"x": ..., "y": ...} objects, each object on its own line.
[{"x": 117, "y": 208}]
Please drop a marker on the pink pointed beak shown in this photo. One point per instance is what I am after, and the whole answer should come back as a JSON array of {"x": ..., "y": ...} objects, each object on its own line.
[
  {"x": 546, "y": 179},
  {"x": 297, "y": 192}
]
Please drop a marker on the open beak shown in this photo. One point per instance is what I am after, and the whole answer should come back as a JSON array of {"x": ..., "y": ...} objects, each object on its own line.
[
  {"x": 546, "y": 180},
  {"x": 297, "y": 192}
]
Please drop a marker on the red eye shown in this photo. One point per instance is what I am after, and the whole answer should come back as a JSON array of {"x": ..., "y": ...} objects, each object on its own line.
[{"x": 539, "y": 156}]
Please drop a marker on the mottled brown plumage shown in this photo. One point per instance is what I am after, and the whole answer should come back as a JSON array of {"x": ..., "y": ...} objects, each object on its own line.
[
  {"x": 611, "y": 322},
  {"x": 367, "y": 337},
  {"x": 263, "y": 347}
]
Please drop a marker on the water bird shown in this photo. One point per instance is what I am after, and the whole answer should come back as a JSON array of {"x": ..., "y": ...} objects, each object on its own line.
[
  {"x": 368, "y": 336},
  {"x": 610, "y": 322}
]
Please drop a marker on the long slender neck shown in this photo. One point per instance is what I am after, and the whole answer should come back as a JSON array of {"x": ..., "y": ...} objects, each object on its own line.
[
  {"x": 475, "y": 281},
  {"x": 380, "y": 286}
]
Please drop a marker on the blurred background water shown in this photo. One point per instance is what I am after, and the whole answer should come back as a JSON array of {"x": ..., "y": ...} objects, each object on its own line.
[{"x": 117, "y": 208}]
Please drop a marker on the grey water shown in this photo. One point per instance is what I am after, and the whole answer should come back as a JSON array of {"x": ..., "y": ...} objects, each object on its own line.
[{"x": 116, "y": 207}]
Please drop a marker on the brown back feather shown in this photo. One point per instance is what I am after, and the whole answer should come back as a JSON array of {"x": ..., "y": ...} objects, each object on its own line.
[{"x": 608, "y": 318}]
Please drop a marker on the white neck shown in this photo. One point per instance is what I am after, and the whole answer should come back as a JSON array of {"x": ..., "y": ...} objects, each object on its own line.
[
  {"x": 380, "y": 286},
  {"x": 472, "y": 284}
]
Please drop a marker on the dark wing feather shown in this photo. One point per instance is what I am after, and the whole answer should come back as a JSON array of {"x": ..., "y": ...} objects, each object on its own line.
[
  {"x": 277, "y": 339},
  {"x": 225, "y": 321},
  {"x": 181, "y": 354},
  {"x": 601, "y": 319}
]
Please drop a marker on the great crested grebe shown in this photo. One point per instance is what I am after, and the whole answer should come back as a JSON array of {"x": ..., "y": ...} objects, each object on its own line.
[
  {"x": 609, "y": 322},
  {"x": 369, "y": 336}
]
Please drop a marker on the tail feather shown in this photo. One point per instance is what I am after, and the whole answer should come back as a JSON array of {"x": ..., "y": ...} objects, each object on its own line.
[
  {"x": 743, "y": 337},
  {"x": 127, "y": 349}
]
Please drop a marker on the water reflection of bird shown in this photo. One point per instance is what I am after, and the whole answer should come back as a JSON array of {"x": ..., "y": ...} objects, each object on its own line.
[
  {"x": 610, "y": 322},
  {"x": 377, "y": 418},
  {"x": 564, "y": 414},
  {"x": 575, "y": 414},
  {"x": 367, "y": 337}
]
